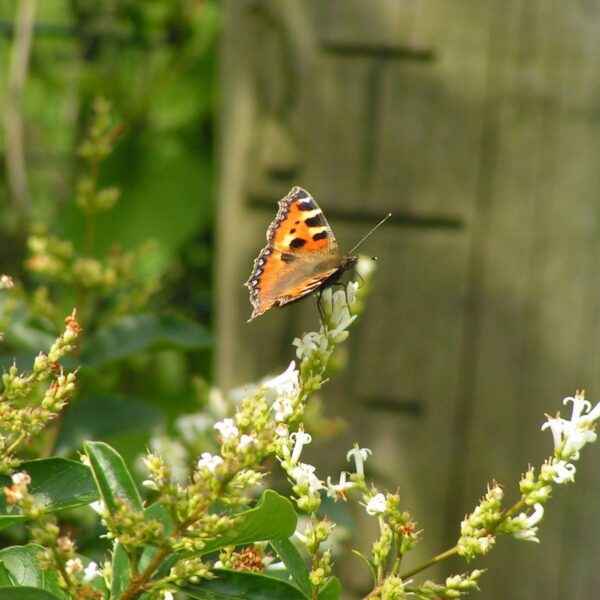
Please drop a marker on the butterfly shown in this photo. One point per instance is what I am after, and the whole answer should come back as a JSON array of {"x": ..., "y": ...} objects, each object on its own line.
[{"x": 300, "y": 257}]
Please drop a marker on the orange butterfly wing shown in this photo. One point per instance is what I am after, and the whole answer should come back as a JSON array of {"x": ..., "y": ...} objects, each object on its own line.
[{"x": 301, "y": 253}]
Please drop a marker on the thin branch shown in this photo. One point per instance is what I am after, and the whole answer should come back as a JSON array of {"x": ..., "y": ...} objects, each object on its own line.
[{"x": 13, "y": 117}]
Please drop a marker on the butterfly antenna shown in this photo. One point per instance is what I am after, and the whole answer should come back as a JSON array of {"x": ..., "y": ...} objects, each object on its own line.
[{"x": 370, "y": 232}]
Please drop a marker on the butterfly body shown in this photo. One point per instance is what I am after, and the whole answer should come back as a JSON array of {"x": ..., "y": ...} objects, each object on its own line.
[{"x": 300, "y": 257}]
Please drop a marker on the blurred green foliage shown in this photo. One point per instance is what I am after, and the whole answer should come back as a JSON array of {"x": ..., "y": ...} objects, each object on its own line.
[
  {"x": 145, "y": 342},
  {"x": 155, "y": 62}
]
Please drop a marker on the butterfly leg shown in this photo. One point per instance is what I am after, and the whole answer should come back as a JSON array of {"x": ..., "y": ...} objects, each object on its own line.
[
  {"x": 362, "y": 281},
  {"x": 320, "y": 306}
]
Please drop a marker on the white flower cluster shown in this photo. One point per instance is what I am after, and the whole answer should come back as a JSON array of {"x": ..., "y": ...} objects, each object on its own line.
[
  {"x": 570, "y": 436},
  {"x": 286, "y": 389}
]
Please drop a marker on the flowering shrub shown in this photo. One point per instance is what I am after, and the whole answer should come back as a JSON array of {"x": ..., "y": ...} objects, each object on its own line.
[{"x": 221, "y": 532}]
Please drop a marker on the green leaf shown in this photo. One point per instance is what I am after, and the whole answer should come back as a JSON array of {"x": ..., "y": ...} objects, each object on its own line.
[
  {"x": 23, "y": 336},
  {"x": 4, "y": 575},
  {"x": 133, "y": 334},
  {"x": 56, "y": 484},
  {"x": 112, "y": 477},
  {"x": 249, "y": 586},
  {"x": 331, "y": 590},
  {"x": 273, "y": 517},
  {"x": 120, "y": 571},
  {"x": 22, "y": 569},
  {"x": 26, "y": 593},
  {"x": 99, "y": 417},
  {"x": 294, "y": 563}
]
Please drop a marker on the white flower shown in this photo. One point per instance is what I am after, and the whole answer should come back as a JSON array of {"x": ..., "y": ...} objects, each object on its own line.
[
  {"x": 21, "y": 478},
  {"x": 564, "y": 472},
  {"x": 282, "y": 430},
  {"x": 286, "y": 384},
  {"x": 283, "y": 409},
  {"x": 484, "y": 543},
  {"x": 227, "y": 429},
  {"x": 580, "y": 405},
  {"x": 594, "y": 414},
  {"x": 286, "y": 388},
  {"x": 576, "y": 440},
  {"x": 570, "y": 436},
  {"x": 376, "y": 505},
  {"x": 304, "y": 475},
  {"x": 74, "y": 565},
  {"x": 91, "y": 572},
  {"x": 246, "y": 441},
  {"x": 150, "y": 484},
  {"x": 166, "y": 595},
  {"x": 360, "y": 456},
  {"x": 309, "y": 343},
  {"x": 339, "y": 490},
  {"x": 536, "y": 516},
  {"x": 528, "y": 530},
  {"x": 209, "y": 461},
  {"x": 556, "y": 425},
  {"x": 300, "y": 439}
]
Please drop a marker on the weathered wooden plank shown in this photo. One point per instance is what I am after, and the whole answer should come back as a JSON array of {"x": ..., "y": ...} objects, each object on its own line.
[
  {"x": 533, "y": 299},
  {"x": 485, "y": 311}
]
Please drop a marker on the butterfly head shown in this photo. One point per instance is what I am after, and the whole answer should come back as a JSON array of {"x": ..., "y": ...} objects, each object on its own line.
[{"x": 348, "y": 262}]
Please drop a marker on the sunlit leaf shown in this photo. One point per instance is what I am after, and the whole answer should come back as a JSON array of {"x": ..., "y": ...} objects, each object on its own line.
[{"x": 112, "y": 477}]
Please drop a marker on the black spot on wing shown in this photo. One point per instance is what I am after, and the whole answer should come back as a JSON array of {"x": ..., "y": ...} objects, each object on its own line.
[
  {"x": 307, "y": 204},
  {"x": 297, "y": 243},
  {"x": 316, "y": 221},
  {"x": 287, "y": 257},
  {"x": 320, "y": 236}
]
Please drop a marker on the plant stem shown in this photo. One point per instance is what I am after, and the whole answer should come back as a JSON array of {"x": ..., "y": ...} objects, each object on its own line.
[
  {"x": 15, "y": 444},
  {"x": 315, "y": 557},
  {"x": 436, "y": 559},
  {"x": 509, "y": 512},
  {"x": 137, "y": 584}
]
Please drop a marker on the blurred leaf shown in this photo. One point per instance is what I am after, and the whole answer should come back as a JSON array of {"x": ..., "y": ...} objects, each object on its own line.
[
  {"x": 294, "y": 563},
  {"x": 250, "y": 586},
  {"x": 56, "y": 484},
  {"x": 166, "y": 195},
  {"x": 331, "y": 590},
  {"x": 26, "y": 593},
  {"x": 133, "y": 334},
  {"x": 22, "y": 569},
  {"x": 273, "y": 517},
  {"x": 23, "y": 336},
  {"x": 100, "y": 417},
  {"x": 113, "y": 480}
]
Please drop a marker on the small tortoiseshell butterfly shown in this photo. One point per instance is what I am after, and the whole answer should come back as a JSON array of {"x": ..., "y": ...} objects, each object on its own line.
[{"x": 301, "y": 255}]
